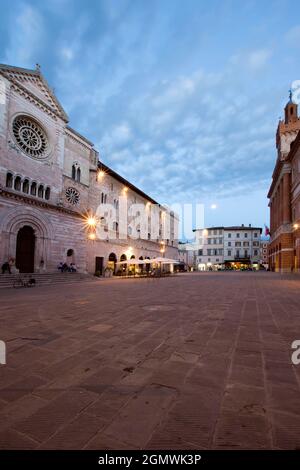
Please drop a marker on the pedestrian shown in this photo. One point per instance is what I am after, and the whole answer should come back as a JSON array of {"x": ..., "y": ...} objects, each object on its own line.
[{"x": 5, "y": 267}]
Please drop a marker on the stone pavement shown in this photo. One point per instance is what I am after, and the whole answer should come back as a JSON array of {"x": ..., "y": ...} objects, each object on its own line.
[{"x": 196, "y": 361}]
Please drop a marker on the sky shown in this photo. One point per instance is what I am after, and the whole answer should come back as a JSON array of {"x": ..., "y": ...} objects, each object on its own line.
[{"x": 182, "y": 98}]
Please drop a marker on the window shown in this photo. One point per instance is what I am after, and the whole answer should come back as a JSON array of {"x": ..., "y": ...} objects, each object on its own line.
[
  {"x": 246, "y": 235},
  {"x": 209, "y": 241},
  {"x": 17, "y": 185},
  {"x": 229, "y": 252},
  {"x": 208, "y": 252},
  {"x": 229, "y": 235},
  {"x": 41, "y": 191},
  {"x": 9, "y": 180},
  {"x": 200, "y": 252},
  {"x": 215, "y": 232},
  {"x": 33, "y": 189},
  {"x": 255, "y": 252},
  {"x": 30, "y": 137},
  {"x": 255, "y": 235},
  {"x": 26, "y": 186},
  {"x": 47, "y": 193},
  {"x": 76, "y": 172},
  {"x": 229, "y": 243},
  {"x": 72, "y": 196},
  {"x": 237, "y": 235}
]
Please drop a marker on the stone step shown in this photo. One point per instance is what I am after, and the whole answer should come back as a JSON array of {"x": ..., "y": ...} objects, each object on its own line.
[{"x": 7, "y": 280}]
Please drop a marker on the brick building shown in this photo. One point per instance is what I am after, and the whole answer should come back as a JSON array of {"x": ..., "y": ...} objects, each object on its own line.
[
  {"x": 52, "y": 182},
  {"x": 284, "y": 195}
]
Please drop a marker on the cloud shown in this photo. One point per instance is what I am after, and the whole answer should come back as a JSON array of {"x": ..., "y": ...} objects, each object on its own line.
[
  {"x": 254, "y": 60},
  {"x": 185, "y": 111},
  {"x": 292, "y": 36},
  {"x": 25, "y": 37},
  {"x": 259, "y": 58}
]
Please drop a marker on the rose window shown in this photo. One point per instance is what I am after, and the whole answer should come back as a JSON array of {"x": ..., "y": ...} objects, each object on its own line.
[
  {"x": 30, "y": 137},
  {"x": 72, "y": 196}
]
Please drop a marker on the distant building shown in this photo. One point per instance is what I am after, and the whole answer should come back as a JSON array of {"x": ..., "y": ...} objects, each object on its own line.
[
  {"x": 284, "y": 195},
  {"x": 210, "y": 248},
  {"x": 232, "y": 247}
]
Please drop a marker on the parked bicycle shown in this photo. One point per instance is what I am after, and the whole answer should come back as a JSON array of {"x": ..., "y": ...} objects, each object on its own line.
[{"x": 23, "y": 281}]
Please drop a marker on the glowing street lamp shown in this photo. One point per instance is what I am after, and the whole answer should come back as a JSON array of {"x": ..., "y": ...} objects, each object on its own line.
[
  {"x": 100, "y": 175},
  {"x": 91, "y": 221}
]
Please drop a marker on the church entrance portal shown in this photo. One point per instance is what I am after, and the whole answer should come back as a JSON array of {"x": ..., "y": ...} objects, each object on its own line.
[{"x": 25, "y": 250}]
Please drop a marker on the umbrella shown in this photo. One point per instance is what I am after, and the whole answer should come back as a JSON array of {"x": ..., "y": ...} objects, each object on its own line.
[
  {"x": 164, "y": 260},
  {"x": 135, "y": 261}
]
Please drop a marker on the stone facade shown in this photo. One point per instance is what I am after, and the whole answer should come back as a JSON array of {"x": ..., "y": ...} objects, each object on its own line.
[
  {"x": 51, "y": 181},
  {"x": 284, "y": 195}
]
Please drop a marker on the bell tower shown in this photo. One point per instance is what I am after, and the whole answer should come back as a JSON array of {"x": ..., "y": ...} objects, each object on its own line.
[
  {"x": 290, "y": 110},
  {"x": 288, "y": 128}
]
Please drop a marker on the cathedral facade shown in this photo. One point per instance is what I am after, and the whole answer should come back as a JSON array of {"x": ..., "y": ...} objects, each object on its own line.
[{"x": 55, "y": 192}]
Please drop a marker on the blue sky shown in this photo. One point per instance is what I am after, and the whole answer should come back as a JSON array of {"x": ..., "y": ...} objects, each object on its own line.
[{"x": 181, "y": 97}]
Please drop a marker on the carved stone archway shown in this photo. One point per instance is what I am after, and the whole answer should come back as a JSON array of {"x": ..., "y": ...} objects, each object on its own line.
[{"x": 16, "y": 219}]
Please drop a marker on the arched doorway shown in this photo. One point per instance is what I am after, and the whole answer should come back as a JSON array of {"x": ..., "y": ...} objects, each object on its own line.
[
  {"x": 112, "y": 259},
  {"x": 25, "y": 249},
  {"x": 123, "y": 266}
]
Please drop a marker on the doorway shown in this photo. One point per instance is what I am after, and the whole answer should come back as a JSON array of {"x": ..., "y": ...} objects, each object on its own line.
[
  {"x": 25, "y": 250},
  {"x": 99, "y": 265}
]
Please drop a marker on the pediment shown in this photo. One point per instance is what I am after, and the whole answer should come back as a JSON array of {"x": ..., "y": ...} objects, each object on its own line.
[{"x": 35, "y": 84}]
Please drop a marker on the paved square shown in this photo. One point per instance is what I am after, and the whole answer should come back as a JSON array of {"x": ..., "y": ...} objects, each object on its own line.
[{"x": 196, "y": 361}]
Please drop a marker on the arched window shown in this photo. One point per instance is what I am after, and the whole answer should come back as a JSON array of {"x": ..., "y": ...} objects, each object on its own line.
[
  {"x": 73, "y": 172},
  {"x": 41, "y": 191},
  {"x": 17, "y": 185},
  {"x": 26, "y": 186},
  {"x": 78, "y": 175},
  {"x": 33, "y": 189},
  {"x": 9, "y": 180},
  {"x": 47, "y": 193}
]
